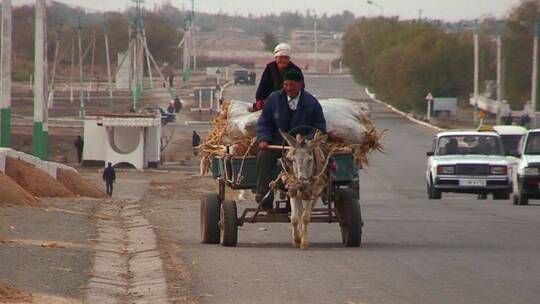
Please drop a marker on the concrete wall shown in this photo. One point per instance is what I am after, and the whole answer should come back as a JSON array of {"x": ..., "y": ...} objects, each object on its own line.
[
  {"x": 50, "y": 168},
  {"x": 126, "y": 139},
  {"x": 94, "y": 140},
  {"x": 137, "y": 146},
  {"x": 153, "y": 139},
  {"x": 134, "y": 157}
]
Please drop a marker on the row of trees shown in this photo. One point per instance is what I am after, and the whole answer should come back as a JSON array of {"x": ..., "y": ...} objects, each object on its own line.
[{"x": 404, "y": 60}]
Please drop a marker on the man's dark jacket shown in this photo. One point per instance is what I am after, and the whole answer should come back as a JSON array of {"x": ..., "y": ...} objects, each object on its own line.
[
  {"x": 277, "y": 114},
  {"x": 109, "y": 174},
  {"x": 272, "y": 79}
]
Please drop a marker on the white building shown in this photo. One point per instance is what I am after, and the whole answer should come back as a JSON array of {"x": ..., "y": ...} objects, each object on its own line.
[{"x": 122, "y": 138}]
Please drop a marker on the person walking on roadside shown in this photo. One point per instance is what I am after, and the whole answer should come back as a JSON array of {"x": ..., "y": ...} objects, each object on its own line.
[
  {"x": 79, "y": 145},
  {"x": 109, "y": 176},
  {"x": 195, "y": 142},
  {"x": 177, "y": 104}
]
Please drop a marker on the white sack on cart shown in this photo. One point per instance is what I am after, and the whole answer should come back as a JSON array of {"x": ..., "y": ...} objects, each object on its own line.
[{"x": 343, "y": 115}]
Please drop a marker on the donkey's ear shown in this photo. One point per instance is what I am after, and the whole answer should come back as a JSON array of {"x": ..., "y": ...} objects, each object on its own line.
[
  {"x": 319, "y": 138},
  {"x": 290, "y": 140}
]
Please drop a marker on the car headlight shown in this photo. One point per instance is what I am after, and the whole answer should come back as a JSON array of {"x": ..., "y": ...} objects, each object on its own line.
[
  {"x": 446, "y": 169},
  {"x": 530, "y": 171},
  {"x": 498, "y": 170}
]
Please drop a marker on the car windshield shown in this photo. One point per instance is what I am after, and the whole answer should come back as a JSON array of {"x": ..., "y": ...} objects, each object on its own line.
[
  {"x": 469, "y": 144},
  {"x": 511, "y": 143},
  {"x": 533, "y": 143}
]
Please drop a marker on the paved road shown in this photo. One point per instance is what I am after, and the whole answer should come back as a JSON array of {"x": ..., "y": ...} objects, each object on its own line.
[{"x": 456, "y": 250}]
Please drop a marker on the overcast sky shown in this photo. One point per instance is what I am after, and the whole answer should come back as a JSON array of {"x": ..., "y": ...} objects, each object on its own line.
[{"x": 406, "y": 9}]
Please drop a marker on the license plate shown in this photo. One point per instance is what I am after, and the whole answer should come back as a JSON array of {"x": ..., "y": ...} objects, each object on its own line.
[{"x": 472, "y": 182}]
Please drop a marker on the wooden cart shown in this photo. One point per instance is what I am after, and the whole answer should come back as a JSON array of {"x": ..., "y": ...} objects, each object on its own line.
[{"x": 219, "y": 220}]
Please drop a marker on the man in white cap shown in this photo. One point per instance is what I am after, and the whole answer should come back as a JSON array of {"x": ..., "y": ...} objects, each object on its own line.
[{"x": 272, "y": 77}]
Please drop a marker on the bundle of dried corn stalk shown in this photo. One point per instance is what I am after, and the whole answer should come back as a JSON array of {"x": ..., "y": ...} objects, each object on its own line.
[{"x": 214, "y": 145}]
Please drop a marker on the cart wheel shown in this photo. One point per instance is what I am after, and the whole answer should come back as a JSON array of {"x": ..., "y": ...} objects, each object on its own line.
[
  {"x": 209, "y": 223},
  {"x": 229, "y": 224},
  {"x": 351, "y": 229}
]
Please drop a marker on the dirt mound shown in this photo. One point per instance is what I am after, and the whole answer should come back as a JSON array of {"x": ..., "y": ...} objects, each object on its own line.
[
  {"x": 77, "y": 184},
  {"x": 34, "y": 180},
  {"x": 10, "y": 294},
  {"x": 12, "y": 193}
]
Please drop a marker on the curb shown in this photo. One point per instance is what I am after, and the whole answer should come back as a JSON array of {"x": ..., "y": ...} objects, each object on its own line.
[{"x": 408, "y": 116}]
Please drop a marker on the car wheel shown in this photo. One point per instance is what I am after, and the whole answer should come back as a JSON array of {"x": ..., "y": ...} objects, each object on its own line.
[
  {"x": 433, "y": 193},
  {"x": 501, "y": 195},
  {"x": 482, "y": 196},
  {"x": 523, "y": 199}
]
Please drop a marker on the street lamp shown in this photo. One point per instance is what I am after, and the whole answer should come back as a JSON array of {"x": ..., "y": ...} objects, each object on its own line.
[{"x": 377, "y": 5}]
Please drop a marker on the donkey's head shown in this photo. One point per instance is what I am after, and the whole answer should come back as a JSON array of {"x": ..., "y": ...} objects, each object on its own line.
[{"x": 301, "y": 156}]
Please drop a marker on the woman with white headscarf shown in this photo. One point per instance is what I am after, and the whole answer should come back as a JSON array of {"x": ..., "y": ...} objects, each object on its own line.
[{"x": 272, "y": 77}]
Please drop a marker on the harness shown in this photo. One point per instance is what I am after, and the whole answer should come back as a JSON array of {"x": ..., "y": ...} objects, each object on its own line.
[{"x": 317, "y": 182}]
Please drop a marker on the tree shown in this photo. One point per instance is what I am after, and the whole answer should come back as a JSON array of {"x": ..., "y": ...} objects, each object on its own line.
[
  {"x": 517, "y": 52},
  {"x": 270, "y": 41},
  {"x": 405, "y": 60}
]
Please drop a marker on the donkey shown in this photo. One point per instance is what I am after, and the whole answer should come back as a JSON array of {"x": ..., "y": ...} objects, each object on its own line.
[{"x": 304, "y": 177}]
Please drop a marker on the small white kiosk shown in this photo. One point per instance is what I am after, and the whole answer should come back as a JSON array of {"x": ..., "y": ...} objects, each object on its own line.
[{"x": 122, "y": 138}]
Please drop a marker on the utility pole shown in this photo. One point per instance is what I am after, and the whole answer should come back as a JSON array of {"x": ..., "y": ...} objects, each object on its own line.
[
  {"x": 499, "y": 73},
  {"x": 109, "y": 76},
  {"x": 476, "y": 73},
  {"x": 138, "y": 52},
  {"x": 148, "y": 62},
  {"x": 316, "y": 44},
  {"x": 40, "y": 139},
  {"x": 186, "y": 50},
  {"x": 5, "y": 108},
  {"x": 92, "y": 60},
  {"x": 55, "y": 62},
  {"x": 534, "y": 84},
  {"x": 72, "y": 72},
  {"x": 193, "y": 36},
  {"x": 81, "y": 79}
]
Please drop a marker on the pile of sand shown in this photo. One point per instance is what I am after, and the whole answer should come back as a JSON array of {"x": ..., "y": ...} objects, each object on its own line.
[
  {"x": 34, "y": 180},
  {"x": 12, "y": 193},
  {"x": 10, "y": 294},
  {"x": 77, "y": 184}
]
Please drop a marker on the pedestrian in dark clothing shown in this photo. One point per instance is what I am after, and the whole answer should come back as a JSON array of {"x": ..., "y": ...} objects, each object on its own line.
[
  {"x": 524, "y": 120},
  {"x": 272, "y": 77},
  {"x": 195, "y": 142},
  {"x": 171, "y": 79},
  {"x": 177, "y": 104},
  {"x": 79, "y": 145},
  {"x": 109, "y": 176},
  {"x": 195, "y": 139},
  {"x": 285, "y": 109}
]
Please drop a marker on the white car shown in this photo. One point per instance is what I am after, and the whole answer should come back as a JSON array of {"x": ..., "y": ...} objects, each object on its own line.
[
  {"x": 528, "y": 172},
  {"x": 511, "y": 137},
  {"x": 468, "y": 162}
]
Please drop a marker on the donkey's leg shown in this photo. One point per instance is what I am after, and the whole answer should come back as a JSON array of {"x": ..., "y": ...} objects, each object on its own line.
[
  {"x": 296, "y": 208},
  {"x": 306, "y": 217}
]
